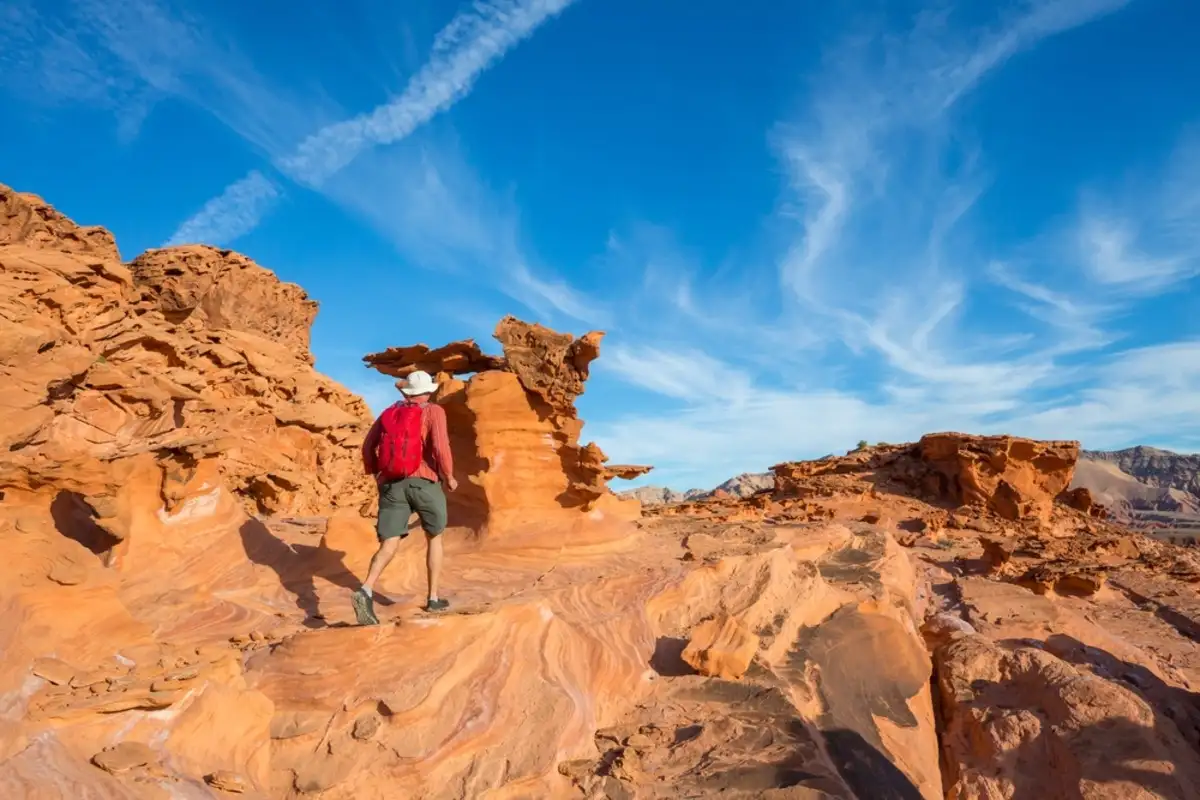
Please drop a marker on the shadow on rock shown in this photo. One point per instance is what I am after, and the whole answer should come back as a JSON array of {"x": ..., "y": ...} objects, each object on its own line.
[
  {"x": 298, "y": 566},
  {"x": 1183, "y": 624},
  {"x": 1178, "y": 706},
  {"x": 868, "y": 772},
  {"x": 1055, "y": 726},
  {"x": 76, "y": 520},
  {"x": 668, "y": 657}
]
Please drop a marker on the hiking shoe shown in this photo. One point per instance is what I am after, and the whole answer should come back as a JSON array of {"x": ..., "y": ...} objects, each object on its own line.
[
  {"x": 441, "y": 604},
  {"x": 364, "y": 608}
]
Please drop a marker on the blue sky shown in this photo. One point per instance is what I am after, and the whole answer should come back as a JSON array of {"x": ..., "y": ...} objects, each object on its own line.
[{"x": 801, "y": 224}]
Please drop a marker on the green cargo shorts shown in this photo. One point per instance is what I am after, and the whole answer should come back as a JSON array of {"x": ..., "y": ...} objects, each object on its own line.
[{"x": 399, "y": 499}]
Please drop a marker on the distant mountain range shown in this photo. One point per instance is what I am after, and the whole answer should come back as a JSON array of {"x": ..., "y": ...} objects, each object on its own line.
[
  {"x": 743, "y": 485},
  {"x": 1145, "y": 487},
  {"x": 1141, "y": 486},
  {"x": 1175, "y": 476}
]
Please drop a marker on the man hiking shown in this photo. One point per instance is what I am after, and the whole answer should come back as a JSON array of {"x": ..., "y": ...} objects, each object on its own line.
[{"x": 408, "y": 452}]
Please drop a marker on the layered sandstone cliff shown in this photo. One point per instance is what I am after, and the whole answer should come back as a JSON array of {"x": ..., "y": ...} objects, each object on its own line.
[{"x": 185, "y": 355}]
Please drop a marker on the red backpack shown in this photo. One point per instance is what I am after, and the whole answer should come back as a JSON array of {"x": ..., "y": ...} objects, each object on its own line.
[{"x": 401, "y": 447}]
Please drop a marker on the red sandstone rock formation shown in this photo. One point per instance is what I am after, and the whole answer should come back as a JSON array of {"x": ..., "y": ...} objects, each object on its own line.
[
  {"x": 456, "y": 358},
  {"x": 1015, "y": 478},
  {"x": 721, "y": 647},
  {"x": 515, "y": 434},
  {"x": 188, "y": 355},
  {"x": 27, "y": 220},
  {"x": 202, "y": 288}
]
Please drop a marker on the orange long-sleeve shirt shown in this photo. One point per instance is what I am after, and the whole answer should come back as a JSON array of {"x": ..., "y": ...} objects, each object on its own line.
[{"x": 436, "y": 460}]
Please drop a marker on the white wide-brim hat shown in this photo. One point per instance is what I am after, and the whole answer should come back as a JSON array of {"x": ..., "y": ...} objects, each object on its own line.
[{"x": 418, "y": 383}]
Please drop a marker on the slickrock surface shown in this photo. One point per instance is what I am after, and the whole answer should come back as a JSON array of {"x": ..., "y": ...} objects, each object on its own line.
[
  {"x": 1064, "y": 646},
  {"x": 940, "y": 619}
]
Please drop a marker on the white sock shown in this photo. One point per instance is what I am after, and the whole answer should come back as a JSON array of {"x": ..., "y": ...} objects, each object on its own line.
[
  {"x": 433, "y": 598},
  {"x": 367, "y": 590}
]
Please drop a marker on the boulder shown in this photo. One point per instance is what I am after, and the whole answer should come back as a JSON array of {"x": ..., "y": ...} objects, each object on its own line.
[
  {"x": 124, "y": 757},
  {"x": 1022, "y": 722},
  {"x": 721, "y": 647}
]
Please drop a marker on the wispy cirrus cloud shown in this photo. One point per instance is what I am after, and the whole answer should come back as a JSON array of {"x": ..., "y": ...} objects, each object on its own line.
[
  {"x": 439, "y": 214},
  {"x": 426, "y": 201},
  {"x": 235, "y": 212},
  {"x": 878, "y": 122},
  {"x": 552, "y": 297},
  {"x": 879, "y": 261},
  {"x": 1145, "y": 395},
  {"x": 689, "y": 375},
  {"x": 1079, "y": 321},
  {"x": 919, "y": 324},
  {"x": 125, "y": 56},
  {"x": 1145, "y": 237},
  {"x": 474, "y": 40},
  {"x": 471, "y": 43}
]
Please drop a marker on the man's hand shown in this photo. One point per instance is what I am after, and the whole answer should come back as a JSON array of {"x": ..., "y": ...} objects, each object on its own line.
[{"x": 451, "y": 483}]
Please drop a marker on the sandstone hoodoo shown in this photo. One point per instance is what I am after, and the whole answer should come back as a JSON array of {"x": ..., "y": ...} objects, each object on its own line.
[
  {"x": 182, "y": 526},
  {"x": 515, "y": 431}
]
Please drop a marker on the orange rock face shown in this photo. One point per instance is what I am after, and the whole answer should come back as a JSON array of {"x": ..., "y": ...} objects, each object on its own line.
[
  {"x": 145, "y": 410},
  {"x": 187, "y": 355},
  {"x": 1016, "y": 478},
  {"x": 202, "y": 288},
  {"x": 456, "y": 358},
  {"x": 27, "y": 220},
  {"x": 1028, "y": 723}
]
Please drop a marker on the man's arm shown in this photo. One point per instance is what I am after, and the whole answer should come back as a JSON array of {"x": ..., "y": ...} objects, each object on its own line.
[
  {"x": 370, "y": 445},
  {"x": 439, "y": 438}
]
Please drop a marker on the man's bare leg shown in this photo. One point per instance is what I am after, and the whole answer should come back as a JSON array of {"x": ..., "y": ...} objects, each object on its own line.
[
  {"x": 362, "y": 599},
  {"x": 379, "y": 562},
  {"x": 433, "y": 564}
]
